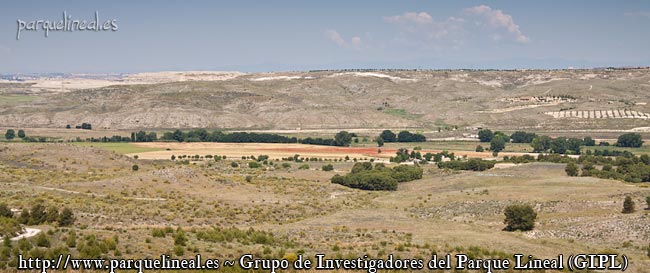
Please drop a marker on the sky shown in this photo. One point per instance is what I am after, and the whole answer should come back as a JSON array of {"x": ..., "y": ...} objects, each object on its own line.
[{"x": 285, "y": 35}]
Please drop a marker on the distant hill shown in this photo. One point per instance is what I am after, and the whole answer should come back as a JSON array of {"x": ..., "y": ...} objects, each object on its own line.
[{"x": 508, "y": 100}]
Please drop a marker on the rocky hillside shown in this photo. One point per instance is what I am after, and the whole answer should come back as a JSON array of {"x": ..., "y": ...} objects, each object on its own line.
[{"x": 343, "y": 99}]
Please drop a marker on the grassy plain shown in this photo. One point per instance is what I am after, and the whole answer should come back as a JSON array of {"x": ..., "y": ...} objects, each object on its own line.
[{"x": 445, "y": 212}]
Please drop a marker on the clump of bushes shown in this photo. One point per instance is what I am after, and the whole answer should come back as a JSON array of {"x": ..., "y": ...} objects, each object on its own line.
[
  {"x": 366, "y": 177},
  {"x": 519, "y": 217},
  {"x": 474, "y": 164}
]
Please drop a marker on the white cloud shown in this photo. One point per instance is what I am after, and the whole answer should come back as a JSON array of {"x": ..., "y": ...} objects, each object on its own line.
[
  {"x": 420, "y": 30},
  {"x": 497, "y": 19},
  {"x": 355, "y": 42},
  {"x": 407, "y": 17}
]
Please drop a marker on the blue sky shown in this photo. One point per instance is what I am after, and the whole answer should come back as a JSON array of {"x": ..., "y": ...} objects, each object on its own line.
[{"x": 300, "y": 35}]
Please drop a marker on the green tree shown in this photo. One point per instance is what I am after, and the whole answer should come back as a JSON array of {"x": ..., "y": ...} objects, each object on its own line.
[
  {"x": 327, "y": 167},
  {"x": 485, "y": 135},
  {"x": 629, "y": 140},
  {"x": 343, "y": 138},
  {"x": 10, "y": 134},
  {"x": 541, "y": 144},
  {"x": 559, "y": 145},
  {"x": 42, "y": 240},
  {"x": 380, "y": 142},
  {"x": 71, "y": 241},
  {"x": 522, "y": 137},
  {"x": 37, "y": 215},
  {"x": 497, "y": 144},
  {"x": 5, "y": 211},
  {"x": 180, "y": 239},
  {"x": 573, "y": 144},
  {"x": 479, "y": 148},
  {"x": 519, "y": 217},
  {"x": 588, "y": 141},
  {"x": 628, "y": 205},
  {"x": 21, "y": 133},
  {"x": 571, "y": 169},
  {"x": 135, "y": 167},
  {"x": 66, "y": 218},
  {"x": 388, "y": 136}
]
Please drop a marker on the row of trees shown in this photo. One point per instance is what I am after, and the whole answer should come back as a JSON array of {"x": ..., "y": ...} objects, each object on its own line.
[
  {"x": 402, "y": 136},
  {"x": 342, "y": 138},
  {"x": 558, "y": 145},
  {"x": 366, "y": 177},
  {"x": 85, "y": 126},
  {"x": 11, "y": 134}
]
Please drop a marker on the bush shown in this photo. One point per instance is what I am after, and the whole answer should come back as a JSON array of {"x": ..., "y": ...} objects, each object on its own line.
[
  {"x": 304, "y": 167},
  {"x": 473, "y": 164},
  {"x": 234, "y": 165},
  {"x": 66, "y": 218},
  {"x": 479, "y": 148},
  {"x": 135, "y": 167},
  {"x": 253, "y": 165},
  {"x": 571, "y": 169},
  {"x": 365, "y": 177},
  {"x": 628, "y": 205},
  {"x": 10, "y": 134},
  {"x": 519, "y": 217},
  {"x": 327, "y": 167}
]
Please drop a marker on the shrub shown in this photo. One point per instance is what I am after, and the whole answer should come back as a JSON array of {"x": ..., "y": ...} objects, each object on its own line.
[
  {"x": 66, "y": 218},
  {"x": 628, "y": 205},
  {"x": 479, "y": 148},
  {"x": 364, "y": 177},
  {"x": 253, "y": 165},
  {"x": 571, "y": 169},
  {"x": 327, "y": 167},
  {"x": 10, "y": 134},
  {"x": 179, "y": 250},
  {"x": 5, "y": 211},
  {"x": 473, "y": 164},
  {"x": 519, "y": 217},
  {"x": 234, "y": 165},
  {"x": 249, "y": 178},
  {"x": 304, "y": 167},
  {"x": 135, "y": 167}
]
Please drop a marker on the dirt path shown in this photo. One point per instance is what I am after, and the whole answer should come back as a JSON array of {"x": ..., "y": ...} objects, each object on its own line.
[{"x": 29, "y": 232}]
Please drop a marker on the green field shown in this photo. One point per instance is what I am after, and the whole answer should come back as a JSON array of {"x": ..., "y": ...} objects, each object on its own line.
[
  {"x": 645, "y": 149},
  {"x": 401, "y": 113},
  {"x": 15, "y": 99},
  {"x": 122, "y": 147}
]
